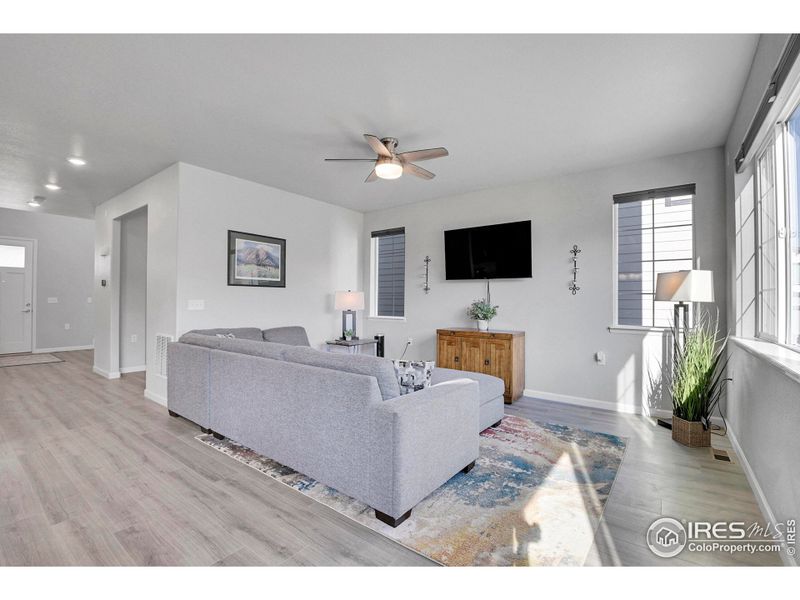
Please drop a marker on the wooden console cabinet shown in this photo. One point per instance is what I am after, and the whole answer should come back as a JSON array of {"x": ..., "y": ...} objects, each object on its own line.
[{"x": 494, "y": 352}]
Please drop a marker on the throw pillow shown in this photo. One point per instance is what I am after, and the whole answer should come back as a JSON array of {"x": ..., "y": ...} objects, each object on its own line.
[
  {"x": 226, "y": 335},
  {"x": 413, "y": 375}
]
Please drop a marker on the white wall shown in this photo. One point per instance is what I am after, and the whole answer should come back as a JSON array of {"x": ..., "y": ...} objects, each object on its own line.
[
  {"x": 64, "y": 271},
  {"x": 562, "y": 331},
  {"x": 323, "y": 247},
  {"x": 160, "y": 195},
  {"x": 133, "y": 291},
  {"x": 763, "y": 404}
]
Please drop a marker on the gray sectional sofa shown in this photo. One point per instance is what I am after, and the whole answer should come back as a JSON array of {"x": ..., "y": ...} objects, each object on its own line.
[{"x": 338, "y": 418}]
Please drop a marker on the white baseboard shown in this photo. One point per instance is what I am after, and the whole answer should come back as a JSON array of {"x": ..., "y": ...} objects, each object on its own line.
[
  {"x": 158, "y": 399},
  {"x": 138, "y": 369},
  {"x": 761, "y": 499},
  {"x": 103, "y": 373},
  {"x": 63, "y": 349},
  {"x": 587, "y": 402}
]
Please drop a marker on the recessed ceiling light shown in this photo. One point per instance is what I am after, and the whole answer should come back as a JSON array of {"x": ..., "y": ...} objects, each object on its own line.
[
  {"x": 76, "y": 160},
  {"x": 53, "y": 187},
  {"x": 36, "y": 201}
]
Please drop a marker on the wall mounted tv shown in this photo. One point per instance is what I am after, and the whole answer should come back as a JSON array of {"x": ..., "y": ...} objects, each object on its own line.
[{"x": 491, "y": 252}]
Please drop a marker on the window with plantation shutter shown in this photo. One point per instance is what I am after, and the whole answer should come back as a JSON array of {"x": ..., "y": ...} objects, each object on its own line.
[{"x": 389, "y": 275}]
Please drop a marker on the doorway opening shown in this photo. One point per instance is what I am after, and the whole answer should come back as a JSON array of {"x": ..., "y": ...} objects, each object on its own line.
[{"x": 133, "y": 291}]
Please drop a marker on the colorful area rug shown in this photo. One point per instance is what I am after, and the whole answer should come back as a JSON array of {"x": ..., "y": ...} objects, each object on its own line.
[
  {"x": 21, "y": 360},
  {"x": 535, "y": 497}
]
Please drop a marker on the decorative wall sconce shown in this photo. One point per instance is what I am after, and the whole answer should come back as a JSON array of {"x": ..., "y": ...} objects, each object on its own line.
[
  {"x": 573, "y": 287},
  {"x": 427, "y": 262}
]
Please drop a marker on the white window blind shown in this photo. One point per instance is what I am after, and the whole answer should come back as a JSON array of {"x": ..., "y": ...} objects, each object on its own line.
[{"x": 654, "y": 234}]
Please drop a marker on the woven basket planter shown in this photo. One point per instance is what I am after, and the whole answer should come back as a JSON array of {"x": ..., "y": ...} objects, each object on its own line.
[{"x": 690, "y": 433}]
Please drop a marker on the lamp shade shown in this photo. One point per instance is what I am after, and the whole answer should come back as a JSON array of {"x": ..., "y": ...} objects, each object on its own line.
[
  {"x": 349, "y": 300},
  {"x": 685, "y": 286}
]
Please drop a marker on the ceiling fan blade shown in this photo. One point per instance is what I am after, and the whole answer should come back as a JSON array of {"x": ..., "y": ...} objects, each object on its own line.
[
  {"x": 372, "y": 160},
  {"x": 417, "y": 171},
  {"x": 377, "y": 145},
  {"x": 373, "y": 176},
  {"x": 428, "y": 154}
]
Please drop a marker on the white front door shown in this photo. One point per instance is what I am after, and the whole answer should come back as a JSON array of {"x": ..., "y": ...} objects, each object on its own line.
[{"x": 16, "y": 295}]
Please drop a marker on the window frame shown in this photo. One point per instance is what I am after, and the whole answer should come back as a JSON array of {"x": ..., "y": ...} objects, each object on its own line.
[
  {"x": 373, "y": 269},
  {"x": 616, "y": 326}
]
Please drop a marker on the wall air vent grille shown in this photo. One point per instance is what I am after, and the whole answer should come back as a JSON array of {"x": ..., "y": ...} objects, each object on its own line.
[{"x": 161, "y": 352}]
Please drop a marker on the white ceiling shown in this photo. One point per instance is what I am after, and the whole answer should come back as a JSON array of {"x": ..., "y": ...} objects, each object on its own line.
[{"x": 270, "y": 108}]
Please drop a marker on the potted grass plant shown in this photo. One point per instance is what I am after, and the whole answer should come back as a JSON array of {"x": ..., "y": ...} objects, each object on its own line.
[
  {"x": 697, "y": 381},
  {"x": 482, "y": 312}
]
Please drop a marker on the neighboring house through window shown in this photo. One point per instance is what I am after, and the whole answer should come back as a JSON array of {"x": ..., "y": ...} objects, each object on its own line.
[{"x": 388, "y": 279}]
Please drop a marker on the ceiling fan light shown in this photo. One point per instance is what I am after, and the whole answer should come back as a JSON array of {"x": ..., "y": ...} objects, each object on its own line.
[{"x": 389, "y": 168}]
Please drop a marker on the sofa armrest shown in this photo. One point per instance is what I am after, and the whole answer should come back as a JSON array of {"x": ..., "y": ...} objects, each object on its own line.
[{"x": 432, "y": 434}]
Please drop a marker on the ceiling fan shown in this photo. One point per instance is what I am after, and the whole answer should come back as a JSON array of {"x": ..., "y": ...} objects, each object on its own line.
[{"x": 390, "y": 164}]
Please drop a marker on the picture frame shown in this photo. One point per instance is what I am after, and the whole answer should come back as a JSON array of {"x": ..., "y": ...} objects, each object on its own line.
[{"x": 256, "y": 260}]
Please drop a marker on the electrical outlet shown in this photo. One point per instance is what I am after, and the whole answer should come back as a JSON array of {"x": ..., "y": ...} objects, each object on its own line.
[
  {"x": 52, "y": 300},
  {"x": 66, "y": 325},
  {"x": 134, "y": 338},
  {"x": 410, "y": 341},
  {"x": 89, "y": 300}
]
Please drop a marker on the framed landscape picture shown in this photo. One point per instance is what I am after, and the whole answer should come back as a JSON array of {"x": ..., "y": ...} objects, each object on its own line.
[{"x": 256, "y": 260}]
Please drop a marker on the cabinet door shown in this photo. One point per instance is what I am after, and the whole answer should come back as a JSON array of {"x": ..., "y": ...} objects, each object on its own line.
[
  {"x": 472, "y": 354},
  {"x": 449, "y": 352},
  {"x": 498, "y": 353}
]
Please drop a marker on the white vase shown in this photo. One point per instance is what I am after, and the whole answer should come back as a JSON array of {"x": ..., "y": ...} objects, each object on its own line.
[{"x": 483, "y": 325}]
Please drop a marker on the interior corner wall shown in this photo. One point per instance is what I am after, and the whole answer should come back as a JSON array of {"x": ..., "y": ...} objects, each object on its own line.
[
  {"x": 63, "y": 271},
  {"x": 159, "y": 194},
  {"x": 762, "y": 403},
  {"x": 562, "y": 331},
  {"x": 323, "y": 250}
]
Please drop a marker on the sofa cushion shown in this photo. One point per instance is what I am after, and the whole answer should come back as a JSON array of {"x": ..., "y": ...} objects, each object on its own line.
[
  {"x": 379, "y": 368},
  {"x": 489, "y": 387},
  {"x": 201, "y": 339},
  {"x": 293, "y": 336},
  {"x": 241, "y": 333},
  {"x": 253, "y": 348}
]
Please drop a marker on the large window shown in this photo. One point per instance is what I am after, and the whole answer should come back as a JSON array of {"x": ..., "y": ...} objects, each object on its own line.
[
  {"x": 654, "y": 234},
  {"x": 388, "y": 273},
  {"x": 777, "y": 177},
  {"x": 793, "y": 179}
]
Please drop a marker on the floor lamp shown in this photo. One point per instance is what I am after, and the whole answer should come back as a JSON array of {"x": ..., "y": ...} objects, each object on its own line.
[{"x": 683, "y": 288}]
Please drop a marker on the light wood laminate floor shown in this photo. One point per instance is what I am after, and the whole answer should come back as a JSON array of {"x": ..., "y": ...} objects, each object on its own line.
[{"x": 92, "y": 473}]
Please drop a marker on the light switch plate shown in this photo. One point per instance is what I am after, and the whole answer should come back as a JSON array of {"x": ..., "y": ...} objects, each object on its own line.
[{"x": 196, "y": 305}]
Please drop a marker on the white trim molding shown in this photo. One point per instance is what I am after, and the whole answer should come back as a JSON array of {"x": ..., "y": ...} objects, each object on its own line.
[
  {"x": 157, "y": 398},
  {"x": 103, "y": 373},
  {"x": 761, "y": 499},
  {"x": 588, "y": 402},
  {"x": 63, "y": 349},
  {"x": 137, "y": 369}
]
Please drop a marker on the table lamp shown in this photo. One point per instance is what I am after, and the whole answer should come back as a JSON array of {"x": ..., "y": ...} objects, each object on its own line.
[{"x": 349, "y": 302}]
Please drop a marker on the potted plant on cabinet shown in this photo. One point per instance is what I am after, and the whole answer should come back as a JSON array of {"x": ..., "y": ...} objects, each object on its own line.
[
  {"x": 697, "y": 382},
  {"x": 482, "y": 312}
]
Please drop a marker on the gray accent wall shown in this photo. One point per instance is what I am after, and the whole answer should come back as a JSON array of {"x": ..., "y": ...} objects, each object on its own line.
[
  {"x": 64, "y": 272},
  {"x": 562, "y": 331}
]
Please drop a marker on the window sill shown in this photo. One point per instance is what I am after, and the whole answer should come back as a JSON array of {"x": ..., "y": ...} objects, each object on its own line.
[
  {"x": 780, "y": 357},
  {"x": 636, "y": 329},
  {"x": 386, "y": 318}
]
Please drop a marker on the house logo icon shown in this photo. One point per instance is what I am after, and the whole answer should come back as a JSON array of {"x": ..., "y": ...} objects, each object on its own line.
[{"x": 666, "y": 537}]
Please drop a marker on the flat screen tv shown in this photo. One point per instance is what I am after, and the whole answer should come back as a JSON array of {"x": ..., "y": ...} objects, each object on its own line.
[{"x": 491, "y": 252}]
